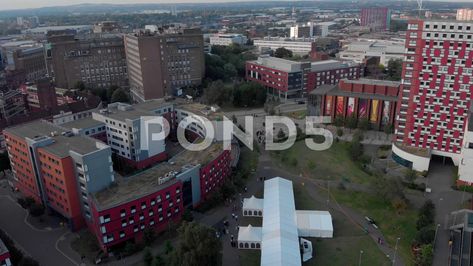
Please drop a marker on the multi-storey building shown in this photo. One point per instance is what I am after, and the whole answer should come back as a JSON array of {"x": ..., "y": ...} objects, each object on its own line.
[
  {"x": 72, "y": 173},
  {"x": 377, "y": 18},
  {"x": 282, "y": 78},
  {"x": 161, "y": 63},
  {"x": 290, "y": 79},
  {"x": 23, "y": 61},
  {"x": 436, "y": 92},
  {"x": 361, "y": 50},
  {"x": 331, "y": 72},
  {"x": 374, "y": 100},
  {"x": 12, "y": 103},
  {"x": 57, "y": 168},
  {"x": 465, "y": 14},
  {"x": 301, "y": 46},
  {"x": 97, "y": 60},
  {"x": 228, "y": 39}
]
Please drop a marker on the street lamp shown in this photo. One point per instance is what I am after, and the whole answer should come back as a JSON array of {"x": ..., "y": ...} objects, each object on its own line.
[
  {"x": 435, "y": 236},
  {"x": 395, "y": 250},
  {"x": 359, "y": 261}
]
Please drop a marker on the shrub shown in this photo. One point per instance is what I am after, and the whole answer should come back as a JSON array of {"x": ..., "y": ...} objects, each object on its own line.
[
  {"x": 36, "y": 210},
  {"x": 339, "y": 132}
]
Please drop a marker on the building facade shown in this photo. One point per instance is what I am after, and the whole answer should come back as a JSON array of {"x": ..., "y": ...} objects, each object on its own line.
[
  {"x": 160, "y": 64},
  {"x": 377, "y": 18},
  {"x": 290, "y": 79},
  {"x": 362, "y": 50},
  {"x": 71, "y": 172},
  {"x": 301, "y": 46},
  {"x": 436, "y": 92},
  {"x": 228, "y": 39},
  {"x": 465, "y": 14},
  {"x": 374, "y": 100},
  {"x": 96, "y": 60}
]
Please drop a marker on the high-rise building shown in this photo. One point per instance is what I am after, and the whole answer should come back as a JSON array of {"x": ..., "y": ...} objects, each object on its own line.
[
  {"x": 161, "y": 63},
  {"x": 465, "y": 14},
  {"x": 378, "y": 18},
  {"x": 435, "y": 94},
  {"x": 23, "y": 61},
  {"x": 97, "y": 60}
]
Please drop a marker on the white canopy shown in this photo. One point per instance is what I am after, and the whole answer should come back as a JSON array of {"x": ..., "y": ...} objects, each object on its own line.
[
  {"x": 314, "y": 224},
  {"x": 253, "y": 203},
  {"x": 280, "y": 242},
  {"x": 249, "y": 234}
]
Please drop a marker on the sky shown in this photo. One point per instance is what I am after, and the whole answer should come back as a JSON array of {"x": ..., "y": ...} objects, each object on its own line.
[{"x": 21, "y": 4}]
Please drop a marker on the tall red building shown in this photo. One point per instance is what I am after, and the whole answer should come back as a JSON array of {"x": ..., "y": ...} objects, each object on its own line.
[
  {"x": 378, "y": 18},
  {"x": 436, "y": 92}
]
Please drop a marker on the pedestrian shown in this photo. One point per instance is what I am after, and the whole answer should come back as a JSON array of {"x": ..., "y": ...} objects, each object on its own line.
[
  {"x": 236, "y": 218},
  {"x": 246, "y": 189},
  {"x": 231, "y": 237},
  {"x": 233, "y": 215},
  {"x": 237, "y": 228}
]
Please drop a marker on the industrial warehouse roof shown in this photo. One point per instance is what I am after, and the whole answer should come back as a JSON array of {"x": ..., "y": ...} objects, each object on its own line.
[
  {"x": 280, "y": 238},
  {"x": 83, "y": 123},
  {"x": 279, "y": 63},
  {"x": 144, "y": 183}
]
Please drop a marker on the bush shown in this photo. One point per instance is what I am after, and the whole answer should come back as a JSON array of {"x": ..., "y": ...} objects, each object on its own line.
[
  {"x": 36, "y": 210},
  {"x": 339, "y": 132},
  {"x": 294, "y": 162},
  {"x": 425, "y": 236}
]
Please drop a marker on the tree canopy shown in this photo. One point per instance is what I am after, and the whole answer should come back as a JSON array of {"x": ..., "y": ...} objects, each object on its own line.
[
  {"x": 283, "y": 53},
  {"x": 119, "y": 95},
  {"x": 198, "y": 245}
]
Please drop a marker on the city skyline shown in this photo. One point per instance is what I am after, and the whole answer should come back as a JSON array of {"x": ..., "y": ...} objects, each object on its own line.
[{"x": 31, "y": 4}]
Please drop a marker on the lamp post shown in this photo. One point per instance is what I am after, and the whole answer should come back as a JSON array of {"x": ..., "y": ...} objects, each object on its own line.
[
  {"x": 435, "y": 236},
  {"x": 359, "y": 261},
  {"x": 395, "y": 250}
]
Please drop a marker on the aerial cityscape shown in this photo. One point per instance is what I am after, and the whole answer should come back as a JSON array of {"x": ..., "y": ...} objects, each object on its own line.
[{"x": 268, "y": 133}]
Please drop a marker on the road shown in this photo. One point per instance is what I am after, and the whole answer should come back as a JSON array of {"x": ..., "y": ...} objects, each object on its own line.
[
  {"x": 446, "y": 201},
  {"x": 44, "y": 245}
]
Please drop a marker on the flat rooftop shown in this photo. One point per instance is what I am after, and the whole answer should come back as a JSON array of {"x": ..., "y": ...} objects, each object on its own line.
[
  {"x": 202, "y": 110},
  {"x": 82, "y": 123},
  {"x": 279, "y": 63},
  {"x": 373, "y": 82},
  {"x": 423, "y": 152},
  {"x": 330, "y": 64},
  {"x": 40, "y": 129},
  {"x": 144, "y": 183},
  {"x": 336, "y": 91}
]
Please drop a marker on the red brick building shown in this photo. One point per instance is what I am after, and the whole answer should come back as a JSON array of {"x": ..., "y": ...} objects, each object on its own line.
[{"x": 374, "y": 100}]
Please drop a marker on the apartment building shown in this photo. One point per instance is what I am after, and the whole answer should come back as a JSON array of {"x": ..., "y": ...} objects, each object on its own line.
[
  {"x": 300, "y": 46},
  {"x": 363, "y": 49},
  {"x": 377, "y": 18},
  {"x": 436, "y": 93},
  {"x": 465, "y": 14},
  {"x": 71, "y": 173},
  {"x": 290, "y": 79},
  {"x": 161, "y": 63},
  {"x": 96, "y": 60}
]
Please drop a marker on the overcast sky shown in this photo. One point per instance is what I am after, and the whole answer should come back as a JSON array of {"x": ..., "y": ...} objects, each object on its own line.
[{"x": 20, "y": 4}]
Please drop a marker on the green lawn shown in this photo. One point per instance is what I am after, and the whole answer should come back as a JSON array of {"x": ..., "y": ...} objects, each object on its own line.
[
  {"x": 248, "y": 160},
  {"x": 322, "y": 164},
  {"x": 335, "y": 164},
  {"x": 392, "y": 224},
  {"x": 349, "y": 239}
]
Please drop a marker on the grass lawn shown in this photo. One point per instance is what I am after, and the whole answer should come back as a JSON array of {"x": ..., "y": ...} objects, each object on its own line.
[
  {"x": 349, "y": 239},
  {"x": 248, "y": 160},
  {"x": 249, "y": 257},
  {"x": 392, "y": 224},
  {"x": 322, "y": 164},
  {"x": 297, "y": 114},
  {"x": 336, "y": 164}
]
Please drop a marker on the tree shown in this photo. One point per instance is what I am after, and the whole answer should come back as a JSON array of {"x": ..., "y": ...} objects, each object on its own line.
[
  {"x": 339, "y": 132},
  {"x": 111, "y": 90},
  {"x": 198, "y": 245},
  {"x": 4, "y": 161},
  {"x": 355, "y": 148},
  {"x": 352, "y": 122},
  {"x": 426, "y": 215},
  {"x": 281, "y": 135},
  {"x": 338, "y": 121},
  {"x": 425, "y": 236},
  {"x": 394, "y": 70},
  {"x": 389, "y": 129},
  {"x": 119, "y": 95},
  {"x": 148, "y": 236},
  {"x": 217, "y": 93},
  {"x": 79, "y": 86},
  {"x": 283, "y": 53},
  {"x": 148, "y": 257},
  {"x": 426, "y": 255},
  {"x": 364, "y": 124},
  {"x": 188, "y": 216},
  {"x": 168, "y": 248},
  {"x": 410, "y": 175},
  {"x": 158, "y": 261},
  {"x": 230, "y": 71}
]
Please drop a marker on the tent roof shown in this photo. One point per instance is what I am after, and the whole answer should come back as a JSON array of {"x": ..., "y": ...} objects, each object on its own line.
[
  {"x": 249, "y": 233},
  {"x": 280, "y": 241},
  {"x": 253, "y": 203},
  {"x": 314, "y": 220}
]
